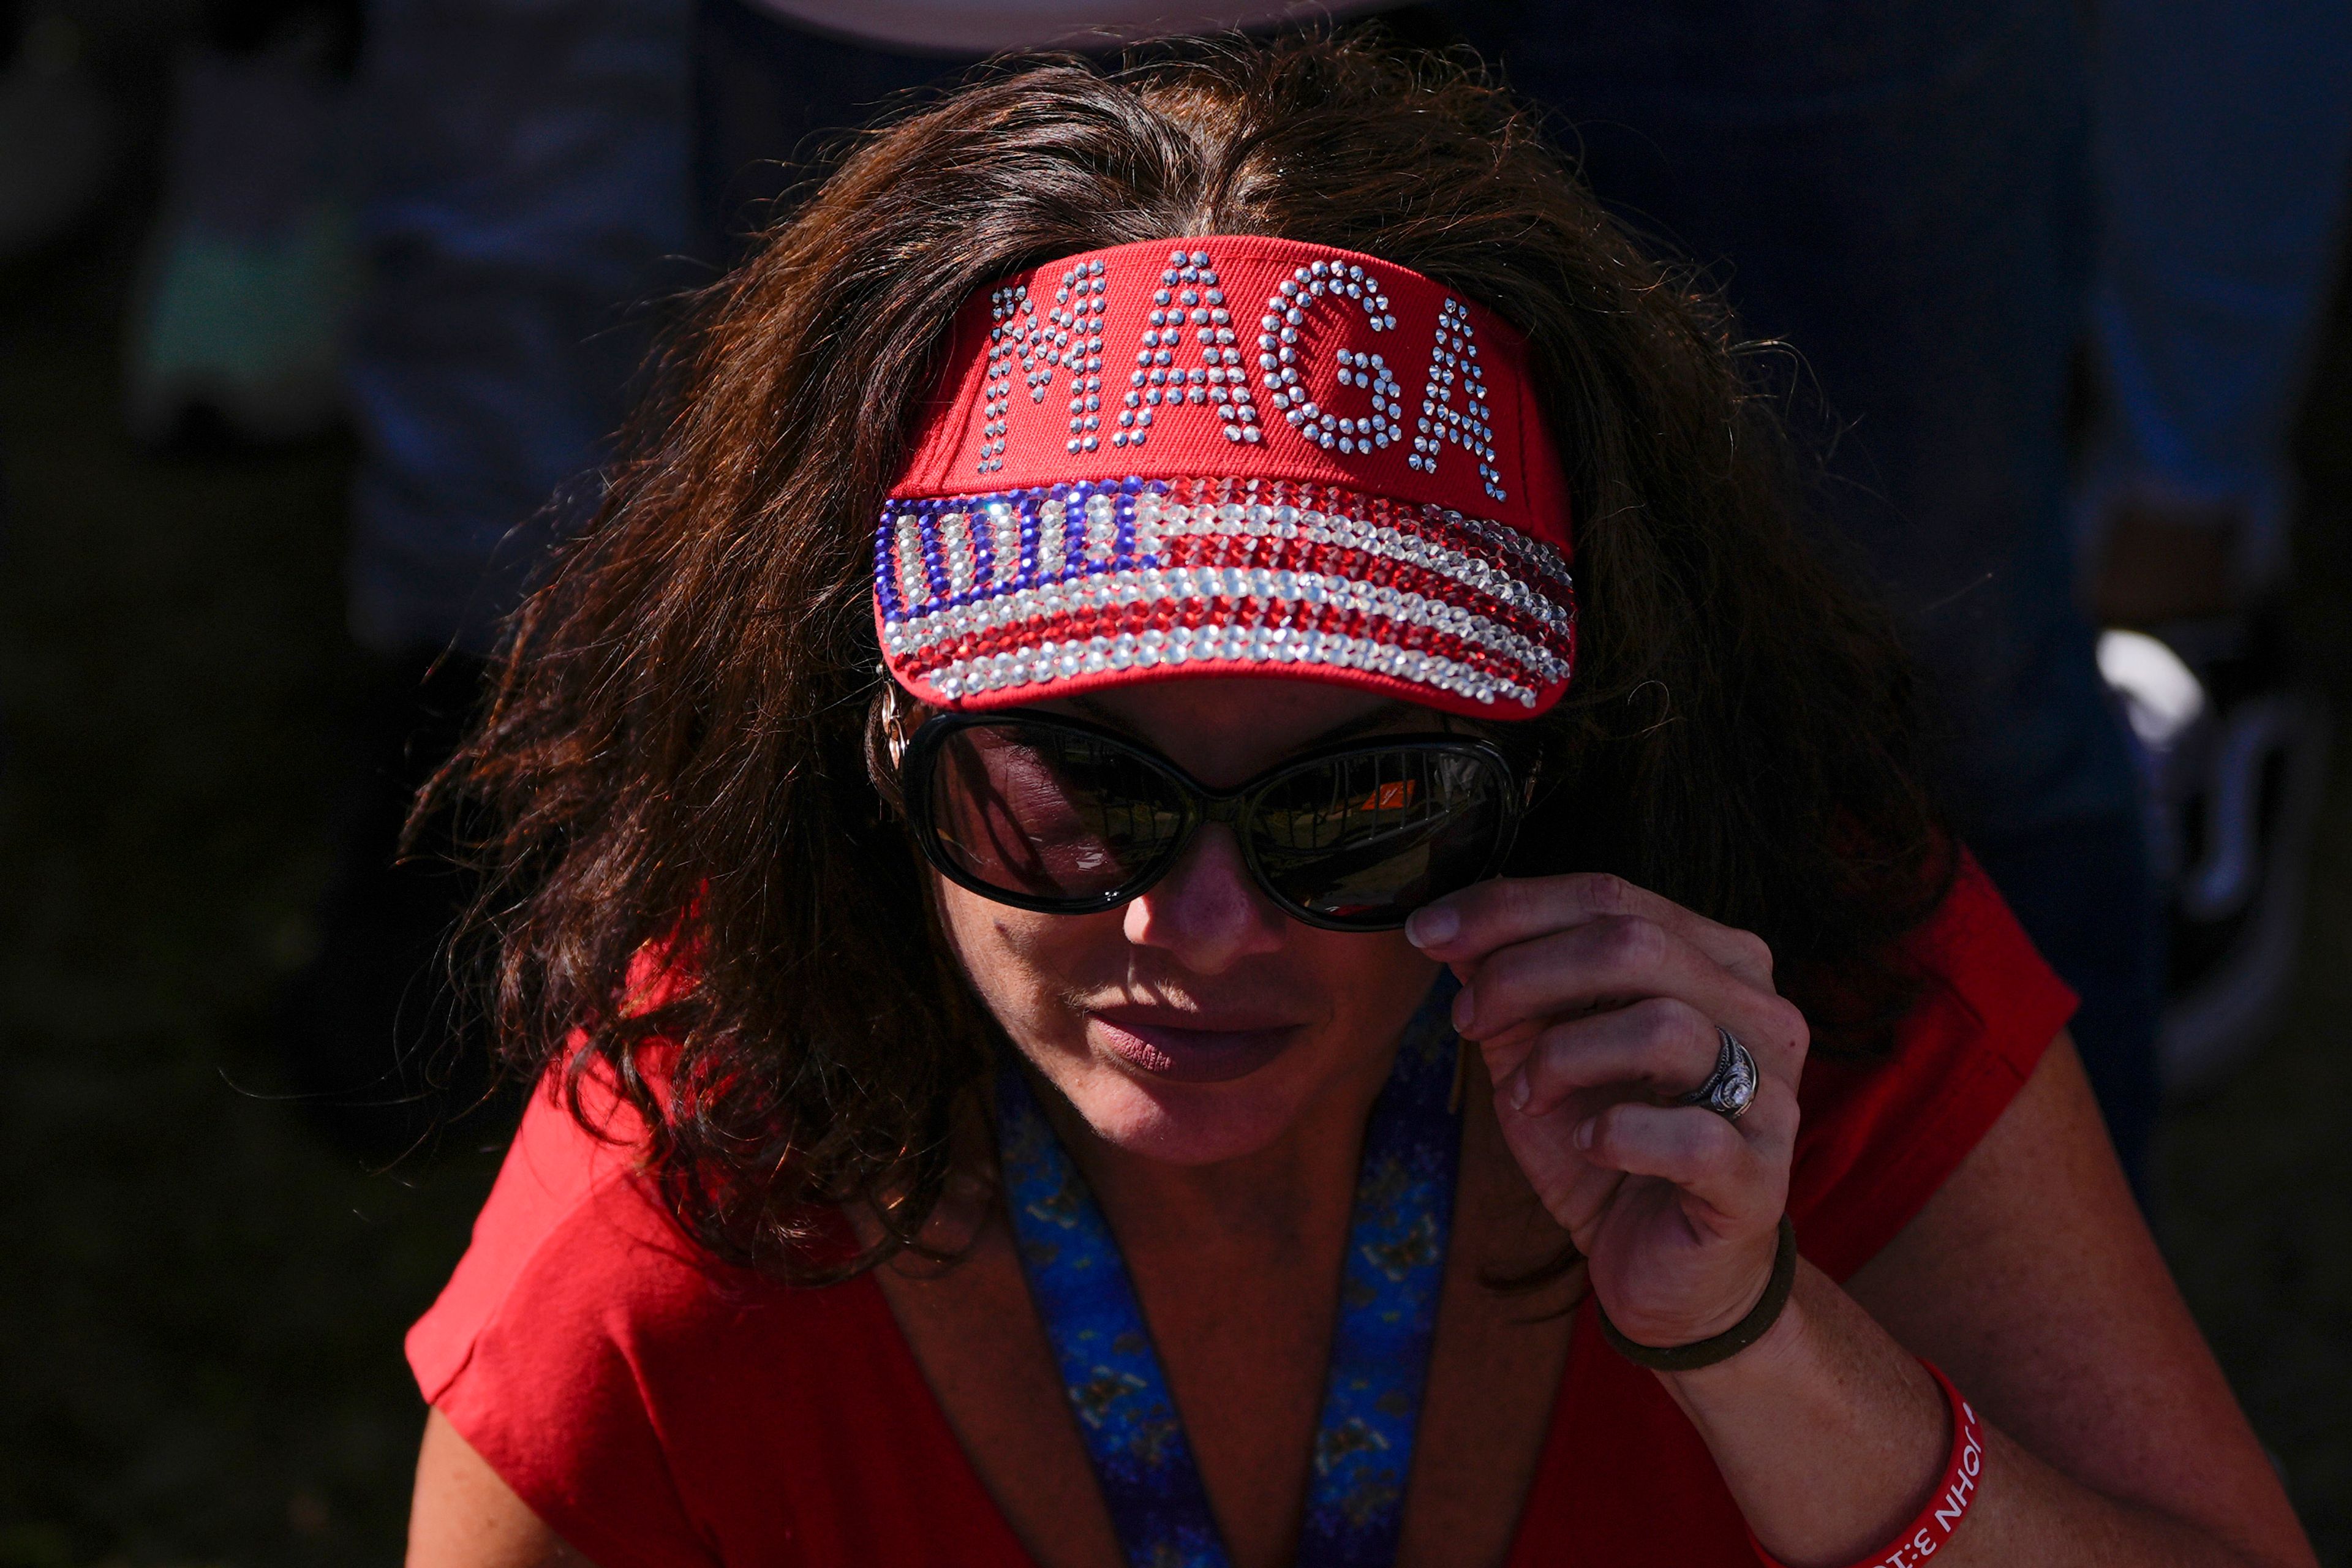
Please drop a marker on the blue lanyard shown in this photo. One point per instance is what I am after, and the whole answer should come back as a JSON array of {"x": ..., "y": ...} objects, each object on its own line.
[{"x": 1380, "y": 1353}]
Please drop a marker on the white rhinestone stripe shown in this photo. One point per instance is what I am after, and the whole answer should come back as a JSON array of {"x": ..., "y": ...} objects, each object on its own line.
[
  {"x": 1541, "y": 560},
  {"x": 1004, "y": 546},
  {"x": 913, "y": 580},
  {"x": 1178, "y": 585},
  {"x": 1050, "y": 662},
  {"x": 955, "y": 545},
  {"x": 1158, "y": 519}
]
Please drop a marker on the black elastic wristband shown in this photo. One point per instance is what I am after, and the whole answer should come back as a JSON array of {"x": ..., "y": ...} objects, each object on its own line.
[{"x": 1733, "y": 1339}]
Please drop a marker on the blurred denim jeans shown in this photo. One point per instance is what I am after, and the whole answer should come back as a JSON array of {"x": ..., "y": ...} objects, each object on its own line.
[
  {"x": 523, "y": 168},
  {"x": 2224, "y": 150}
]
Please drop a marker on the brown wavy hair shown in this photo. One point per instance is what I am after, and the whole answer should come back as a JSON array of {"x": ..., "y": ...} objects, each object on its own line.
[{"x": 677, "y": 756}]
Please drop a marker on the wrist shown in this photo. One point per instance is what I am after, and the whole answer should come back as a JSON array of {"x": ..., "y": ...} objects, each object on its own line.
[
  {"x": 1735, "y": 1336},
  {"x": 1741, "y": 1306},
  {"x": 1782, "y": 1348},
  {"x": 1828, "y": 1433},
  {"x": 1948, "y": 1500}
]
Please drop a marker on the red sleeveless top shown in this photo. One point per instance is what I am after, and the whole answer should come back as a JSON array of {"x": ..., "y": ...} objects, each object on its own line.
[{"x": 660, "y": 1410}]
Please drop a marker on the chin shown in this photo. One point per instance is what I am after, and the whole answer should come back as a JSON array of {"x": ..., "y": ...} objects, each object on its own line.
[{"x": 1185, "y": 1123}]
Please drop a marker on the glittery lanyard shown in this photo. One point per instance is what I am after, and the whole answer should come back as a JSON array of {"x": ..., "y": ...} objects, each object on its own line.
[{"x": 1395, "y": 1265}]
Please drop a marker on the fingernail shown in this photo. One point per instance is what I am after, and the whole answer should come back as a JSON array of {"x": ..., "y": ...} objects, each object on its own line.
[
  {"x": 1520, "y": 1090},
  {"x": 1465, "y": 1009},
  {"x": 1427, "y": 928},
  {"x": 1587, "y": 1131}
]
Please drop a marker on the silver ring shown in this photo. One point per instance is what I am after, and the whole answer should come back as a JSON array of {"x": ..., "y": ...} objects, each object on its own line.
[{"x": 1730, "y": 1088}]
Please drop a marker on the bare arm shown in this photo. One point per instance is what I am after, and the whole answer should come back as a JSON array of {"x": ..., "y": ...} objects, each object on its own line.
[
  {"x": 2029, "y": 1278},
  {"x": 2031, "y": 1281},
  {"x": 464, "y": 1516}
]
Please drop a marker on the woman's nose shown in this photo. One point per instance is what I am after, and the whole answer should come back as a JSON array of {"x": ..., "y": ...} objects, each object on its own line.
[{"x": 1207, "y": 914}]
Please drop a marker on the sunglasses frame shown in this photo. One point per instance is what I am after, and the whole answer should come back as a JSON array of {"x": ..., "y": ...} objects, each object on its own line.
[{"x": 1201, "y": 804}]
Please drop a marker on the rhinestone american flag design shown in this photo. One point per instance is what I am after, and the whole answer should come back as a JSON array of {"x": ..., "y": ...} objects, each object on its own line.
[{"x": 1023, "y": 592}]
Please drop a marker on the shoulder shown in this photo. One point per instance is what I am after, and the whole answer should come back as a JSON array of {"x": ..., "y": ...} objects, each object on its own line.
[
  {"x": 1881, "y": 1136},
  {"x": 569, "y": 1238},
  {"x": 640, "y": 1395}
]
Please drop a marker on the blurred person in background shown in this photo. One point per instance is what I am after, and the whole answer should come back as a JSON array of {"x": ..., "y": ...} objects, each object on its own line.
[
  {"x": 237, "y": 324},
  {"x": 2224, "y": 154},
  {"x": 1902, "y": 196},
  {"x": 521, "y": 169}
]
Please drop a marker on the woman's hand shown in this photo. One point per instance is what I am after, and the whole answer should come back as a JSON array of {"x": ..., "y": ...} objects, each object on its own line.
[
  {"x": 2030, "y": 1275},
  {"x": 1596, "y": 1005}
]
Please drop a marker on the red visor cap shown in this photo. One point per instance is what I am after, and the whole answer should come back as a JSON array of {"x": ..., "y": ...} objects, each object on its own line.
[{"x": 1230, "y": 456}]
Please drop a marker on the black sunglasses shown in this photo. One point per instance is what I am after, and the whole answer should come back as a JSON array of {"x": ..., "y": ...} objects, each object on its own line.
[{"x": 1061, "y": 817}]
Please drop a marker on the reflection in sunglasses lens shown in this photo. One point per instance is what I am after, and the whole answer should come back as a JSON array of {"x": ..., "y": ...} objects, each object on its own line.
[
  {"x": 1060, "y": 815},
  {"x": 1049, "y": 814},
  {"x": 1365, "y": 836}
]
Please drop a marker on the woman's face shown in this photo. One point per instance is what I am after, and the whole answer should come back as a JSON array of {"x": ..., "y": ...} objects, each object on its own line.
[{"x": 1199, "y": 1022}]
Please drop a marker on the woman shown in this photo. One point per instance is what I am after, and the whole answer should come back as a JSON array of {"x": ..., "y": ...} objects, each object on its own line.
[{"x": 998, "y": 973}]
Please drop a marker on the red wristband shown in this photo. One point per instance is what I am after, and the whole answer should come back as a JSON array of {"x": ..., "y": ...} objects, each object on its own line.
[{"x": 1924, "y": 1535}]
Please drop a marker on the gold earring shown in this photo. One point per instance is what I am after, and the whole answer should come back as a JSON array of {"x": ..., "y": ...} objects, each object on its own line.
[{"x": 891, "y": 737}]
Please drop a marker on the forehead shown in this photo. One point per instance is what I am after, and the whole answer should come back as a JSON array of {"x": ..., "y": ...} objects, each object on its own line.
[{"x": 1223, "y": 729}]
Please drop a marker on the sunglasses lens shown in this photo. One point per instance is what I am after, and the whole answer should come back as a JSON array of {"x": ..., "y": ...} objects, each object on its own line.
[
  {"x": 1367, "y": 839},
  {"x": 1048, "y": 813}
]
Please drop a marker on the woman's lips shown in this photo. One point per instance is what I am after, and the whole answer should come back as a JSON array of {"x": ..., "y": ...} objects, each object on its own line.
[{"x": 1184, "y": 1055}]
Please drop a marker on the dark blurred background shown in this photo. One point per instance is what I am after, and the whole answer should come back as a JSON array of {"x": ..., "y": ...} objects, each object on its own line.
[{"x": 207, "y": 1259}]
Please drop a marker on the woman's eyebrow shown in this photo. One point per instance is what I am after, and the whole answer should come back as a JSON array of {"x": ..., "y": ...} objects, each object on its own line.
[
  {"x": 1102, "y": 715},
  {"x": 1347, "y": 728},
  {"x": 1369, "y": 719}
]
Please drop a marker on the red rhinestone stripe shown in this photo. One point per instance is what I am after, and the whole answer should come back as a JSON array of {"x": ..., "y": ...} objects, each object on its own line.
[
  {"x": 1522, "y": 556},
  {"x": 1357, "y": 566},
  {"x": 1078, "y": 626}
]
